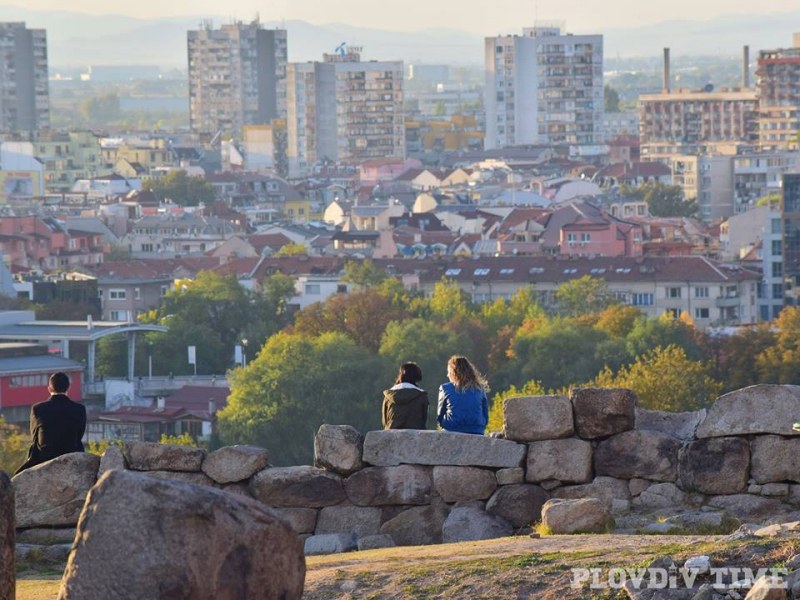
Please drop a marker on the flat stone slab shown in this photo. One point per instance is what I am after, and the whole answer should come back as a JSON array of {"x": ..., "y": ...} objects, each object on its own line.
[
  {"x": 763, "y": 408},
  {"x": 420, "y": 447}
]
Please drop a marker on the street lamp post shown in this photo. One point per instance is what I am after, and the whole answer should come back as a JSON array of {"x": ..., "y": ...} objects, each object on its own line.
[
  {"x": 150, "y": 360},
  {"x": 244, "y": 352}
]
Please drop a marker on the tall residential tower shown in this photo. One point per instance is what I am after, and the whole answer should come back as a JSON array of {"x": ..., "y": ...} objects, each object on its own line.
[
  {"x": 237, "y": 77},
  {"x": 24, "y": 97},
  {"x": 544, "y": 87}
]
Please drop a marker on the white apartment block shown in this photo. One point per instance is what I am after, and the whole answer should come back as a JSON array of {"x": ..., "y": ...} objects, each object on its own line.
[
  {"x": 708, "y": 180},
  {"x": 237, "y": 77},
  {"x": 544, "y": 87},
  {"x": 759, "y": 175},
  {"x": 344, "y": 110},
  {"x": 24, "y": 92}
]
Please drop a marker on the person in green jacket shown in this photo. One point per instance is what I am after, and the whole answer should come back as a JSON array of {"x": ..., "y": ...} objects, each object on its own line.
[{"x": 405, "y": 404}]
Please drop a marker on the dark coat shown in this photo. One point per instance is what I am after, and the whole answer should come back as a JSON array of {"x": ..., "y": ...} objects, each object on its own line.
[
  {"x": 405, "y": 406},
  {"x": 57, "y": 427}
]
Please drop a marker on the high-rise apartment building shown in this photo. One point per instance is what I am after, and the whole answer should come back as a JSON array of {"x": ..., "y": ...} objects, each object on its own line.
[
  {"x": 543, "y": 87},
  {"x": 790, "y": 228},
  {"x": 237, "y": 76},
  {"x": 778, "y": 75},
  {"x": 24, "y": 97},
  {"x": 344, "y": 110}
]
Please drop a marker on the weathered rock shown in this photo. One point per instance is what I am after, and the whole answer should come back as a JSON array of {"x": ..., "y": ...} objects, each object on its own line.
[
  {"x": 778, "y": 530},
  {"x": 767, "y": 587},
  {"x": 360, "y": 520},
  {"x": 715, "y": 465},
  {"x": 142, "y": 537},
  {"x": 376, "y": 486},
  {"x": 466, "y": 523},
  {"x": 529, "y": 418},
  {"x": 417, "y": 526},
  {"x": 419, "y": 447},
  {"x": 520, "y": 505},
  {"x": 52, "y": 493},
  {"x": 510, "y": 476},
  {"x": 195, "y": 478},
  {"x": 775, "y": 458},
  {"x": 235, "y": 463},
  {"x": 681, "y": 425},
  {"x": 775, "y": 489},
  {"x": 57, "y": 553},
  {"x": 46, "y": 535},
  {"x": 605, "y": 489},
  {"x": 330, "y": 543},
  {"x": 301, "y": 520},
  {"x": 306, "y": 487},
  {"x": 373, "y": 542},
  {"x": 338, "y": 448},
  {"x": 568, "y": 460},
  {"x": 601, "y": 412},
  {"x": 746, "y": 506},
  {"x": 588, "y": 515},
  {"x": 240, "y": 488},
  {"x": 636, "y": 486},
  {"x": 695, "y": 520},
  {"x": 456, "y": 484},
  {"x": 112, "y": 459},
  {"x": 646, "y": 454},
  {"x": 8, "y": 577},
  {"x": 550, "y": 484},
  {"x": 660, "y": 495},
  {"x": 762, "y": 408},
  {"x": 151, "y": 456}
]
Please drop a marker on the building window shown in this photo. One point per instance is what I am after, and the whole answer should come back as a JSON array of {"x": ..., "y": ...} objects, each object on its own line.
[
  {"x": 572, "y": 237},
  {"x": 117, "y": 294},
  {"x": 673, "y": 292},
  {"x": 701, "y": 292},
  {"x": 585, "y": 237},
  {"x": 777, "y": 291},
  {"x": 147, "y": 247},
  {"x": 164, "y": 290},
  {"x": 645, "y": 299},
  {"x": 777, "y": 269},
  {"x": 777, "y": 248},
  {"x": 312, "y": 289},
  {"x": 137, "y": 294},
  {"x": 117, "y": 315},
  {"x": 776, "y": 226},
  {"x": 700, "y": 313}
]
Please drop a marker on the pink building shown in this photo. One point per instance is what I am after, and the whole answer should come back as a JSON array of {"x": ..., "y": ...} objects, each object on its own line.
[
  {"x": 609, "y": 238},
  {"x": 376, "y": 170}
]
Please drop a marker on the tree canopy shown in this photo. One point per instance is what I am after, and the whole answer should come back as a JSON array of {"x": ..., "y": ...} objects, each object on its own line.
[{"x": 181, "y": 188}]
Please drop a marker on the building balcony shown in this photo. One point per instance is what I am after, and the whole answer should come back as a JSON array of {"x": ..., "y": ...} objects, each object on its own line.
[{"x": 728, "y": 301}]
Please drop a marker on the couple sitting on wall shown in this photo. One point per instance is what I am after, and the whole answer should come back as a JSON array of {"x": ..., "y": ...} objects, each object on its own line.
[{"x": 463, "y": 406}]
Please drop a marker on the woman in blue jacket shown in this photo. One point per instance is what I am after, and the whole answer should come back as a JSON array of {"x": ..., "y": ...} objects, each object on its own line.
[{"x": 463, "y": 406}]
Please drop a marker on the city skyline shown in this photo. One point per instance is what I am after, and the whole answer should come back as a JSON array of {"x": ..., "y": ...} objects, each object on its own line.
[{"x": 445, "y": 14}]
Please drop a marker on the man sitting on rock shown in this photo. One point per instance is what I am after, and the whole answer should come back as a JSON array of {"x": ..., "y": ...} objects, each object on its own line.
[{"x": 57, "y": 424}]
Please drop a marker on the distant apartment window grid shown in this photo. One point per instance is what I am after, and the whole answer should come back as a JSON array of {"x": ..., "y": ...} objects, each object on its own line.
[{"x": 117, "y": 294}]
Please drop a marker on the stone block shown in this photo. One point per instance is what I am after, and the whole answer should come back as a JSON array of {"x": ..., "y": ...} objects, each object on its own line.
[
  {"x": 467, "y": 523},
  {"x": 568, "y": 461},
  {"x": 510, "y": 476},
  {"x": 601, "y": 412},
  {"x": 112, "y": 459},
  {"x": 330, "y": 543},
  {"x": 715, "y": 465},
  {"x": 588, "y": 515},
  {"x": 457, "y": 484},
  {"x": 529, "y": 418},
  {"x": 8, "y": 577},
  {"x": 301, "y": 520},
  {"x": 151, "y": 456},
  {"x": 605, "y": 489},
  {"x": 360, "y": 520},
  {"x": 374, "y": 542},
  {"x": 377, "y": 486},
  {"x": 520, "y": 505},
  {"x": 304, "y": 486},
  {"x": 681, "y": 425},
  {"x": 235, "y": 463},
  {"x": 763, "y": 408},
  {"x": 417, "y": 526},
  {"x": 775, "y": 458},
  {"x": 644, "y": 454},
  {"x": 338, "y": 448}
]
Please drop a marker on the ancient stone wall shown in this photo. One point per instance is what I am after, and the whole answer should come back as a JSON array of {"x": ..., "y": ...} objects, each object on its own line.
[{"x": 653, "y": 471}]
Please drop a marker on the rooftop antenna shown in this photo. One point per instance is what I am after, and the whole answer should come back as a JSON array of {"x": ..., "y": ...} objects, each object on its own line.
[{"x": 340, "y": 49}]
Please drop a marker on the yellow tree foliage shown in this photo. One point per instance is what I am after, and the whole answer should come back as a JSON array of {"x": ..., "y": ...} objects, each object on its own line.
[
  {"x": 665, "y": 379},
  {"x": 13, "y": 447},
  {"x": 780, "y": 363},
  {"x": 618, "y": 320}
]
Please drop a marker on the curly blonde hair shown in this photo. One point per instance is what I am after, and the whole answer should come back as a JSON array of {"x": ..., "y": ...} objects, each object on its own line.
[{"x": 465, "y": 375}]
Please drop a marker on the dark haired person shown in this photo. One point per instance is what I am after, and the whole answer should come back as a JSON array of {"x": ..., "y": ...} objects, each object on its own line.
[
  {"x": 405, "y": 404},
  {"x": 463, "y": 406},
  {"x": 57, "y": 424}
]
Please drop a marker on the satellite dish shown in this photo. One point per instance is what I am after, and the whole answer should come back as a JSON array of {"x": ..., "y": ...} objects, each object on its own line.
[{"x": 709, "y": 87}]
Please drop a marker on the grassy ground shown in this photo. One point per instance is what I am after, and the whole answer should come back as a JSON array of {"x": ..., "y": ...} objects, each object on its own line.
[{"x": 512, "y": 568}]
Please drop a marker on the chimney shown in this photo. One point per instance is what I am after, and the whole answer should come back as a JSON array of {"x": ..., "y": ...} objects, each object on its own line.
[
  {"x": 161, "y": 402},
  {"x": 745, "y": 67},
  {"x": 666, "y": 70}
]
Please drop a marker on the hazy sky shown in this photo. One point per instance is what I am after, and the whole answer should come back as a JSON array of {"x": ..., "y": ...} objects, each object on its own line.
[{"x": 482, "y": 17}]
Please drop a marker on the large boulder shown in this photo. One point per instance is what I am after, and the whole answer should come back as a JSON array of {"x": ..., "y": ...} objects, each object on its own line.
[
  {"x": 681, "y": 425},
  {"x": 424, "y": 447},
  {"x": 304, "y": 486},
  {"x": 338, "y": 448},
  {"x": 715, "y": 465},
  {"x": 568, "y": 461},
  {"x": 184, "y": 476},
  {"x": 775, "y": 458},
  {"x": 7, "y": 542},
  {"x": 301, "y": 520},
  {"x": 458, "y": 484},
  {"x": 330, "y": 543},
  {"x": 417, "y": 526},
  {"x": 52, "y": 494},
  {"x": 151, "y": 456},
  {"x": 747, "y": 507},
  {"x": 360, "y": 520},
  {"x": 469, "y": 523},
  {"x": 142, "y": 537},
  {"x": 235, "y": 463},
  {"x": 660, "y": 495},
  {"x": 601, "y": 412},
  {"x": 588, "y": 515},
  {"x": 378, "y": 486},
  {"x": 519, "y": 504},
  {"x": 646, "y": 454},
  {"x": 763, "y": 408},
  {"x": 112, "y": 459},
  {"x": 529, "y": 418},
  {"x": 606, "y": 489}
]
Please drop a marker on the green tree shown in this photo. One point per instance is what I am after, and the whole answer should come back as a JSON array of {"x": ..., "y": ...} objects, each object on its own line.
[
  {"x": 648, "y": 334},
  {"x": 582, "y": 296},
  {"x": 13, "y": 447},
  {"x": 363, "y": 273},
  {"x": 292, "y": 249},
  {"x": 296, "y": 384},
  {"x": 449, "y": 300},
  {"x": 100, "y": 110},
  {"x": 618, "y": 320},
  {"x": 780, "y": 363},
  {"x": 667, "y": 200},
  {"x": 181, "y": 188},
  {"x": 496, "y": 410},
  {"x": 611, "y": 99},
  {"x": 734, "y": 354},
  {"x": 665, "y": 379}
]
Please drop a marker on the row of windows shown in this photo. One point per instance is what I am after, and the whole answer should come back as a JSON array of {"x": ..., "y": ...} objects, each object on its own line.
[{"x": 28, "y": 381}]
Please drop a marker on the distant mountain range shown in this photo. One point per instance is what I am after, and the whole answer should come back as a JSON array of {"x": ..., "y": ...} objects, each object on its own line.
[{"x": 78, "y": 40}]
